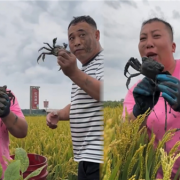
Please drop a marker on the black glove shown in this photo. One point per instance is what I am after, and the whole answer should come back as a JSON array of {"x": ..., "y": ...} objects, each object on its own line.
[
  {"x": 143, "y": 96},
  {"x": 4, "y": 105},
  {"x": 170, "y": 88}
]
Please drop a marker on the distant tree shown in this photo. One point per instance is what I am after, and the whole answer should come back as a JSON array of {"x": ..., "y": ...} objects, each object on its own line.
[{"x": 113, "y": 104}]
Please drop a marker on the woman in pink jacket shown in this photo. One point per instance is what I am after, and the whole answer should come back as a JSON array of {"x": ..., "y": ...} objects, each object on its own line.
[
  {"x": 13, "y": 121},
  {"x": 156, "y": 41}
]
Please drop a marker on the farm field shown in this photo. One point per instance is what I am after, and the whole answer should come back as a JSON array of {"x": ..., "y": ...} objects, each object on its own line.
[
  {"x": 55, "y": 144},
  {"x": 127, "y": 150}
]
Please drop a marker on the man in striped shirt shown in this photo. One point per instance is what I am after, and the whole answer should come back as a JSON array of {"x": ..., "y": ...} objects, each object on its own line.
[{"x": 85, "y": 110}]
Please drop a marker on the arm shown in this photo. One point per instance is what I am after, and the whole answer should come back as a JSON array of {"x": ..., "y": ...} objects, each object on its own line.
[
  {"x": 89, "y": 84},
  {"x": 143, "y": 95},
  {"x": 14, "y": 120},
  {"x": 63, "y": 114},
  {"x": 16, "y": 125},
  {"x": 128, "y": 104}
]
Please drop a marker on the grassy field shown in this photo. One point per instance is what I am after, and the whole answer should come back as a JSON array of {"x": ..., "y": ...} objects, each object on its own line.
[
  {"x": 129, "y": 155},
  {"x": 54, "y": 144},
  {"x": 128, "y": 152}
]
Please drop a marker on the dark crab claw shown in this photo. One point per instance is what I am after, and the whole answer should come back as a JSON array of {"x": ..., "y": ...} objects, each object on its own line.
[
  {"x": 65, "y": 45},
  {"x": 54, "y": 41},
  {"x": 40, "y": 49},
  {"x": 126, "y": 71},
  {"x": 134, "y": 63},
  {"x": 39, "y": 58},
  {"x": 127, "y": 66}
]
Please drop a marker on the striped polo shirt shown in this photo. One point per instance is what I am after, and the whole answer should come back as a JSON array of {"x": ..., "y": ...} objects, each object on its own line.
[{"x": 86, "y": 117}]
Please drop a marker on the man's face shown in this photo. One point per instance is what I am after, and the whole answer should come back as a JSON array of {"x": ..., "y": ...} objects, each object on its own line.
[
  {"x": 83, "y": 41},
  {"x": 155, "y": 41}
]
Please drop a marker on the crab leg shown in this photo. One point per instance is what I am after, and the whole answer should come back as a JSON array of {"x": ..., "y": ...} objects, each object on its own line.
[
  {"x": 48, "y": 45},
  {"x": 129, "y": 79},
  {"x": 43, "y": 54},
  {"x": 165, "y": 128},
  {"x": 11, "y": 96},
  {"x": 44, "y": 48},
  {"x": 54, "y": 42},
  {"x": 134, "y": 63}
]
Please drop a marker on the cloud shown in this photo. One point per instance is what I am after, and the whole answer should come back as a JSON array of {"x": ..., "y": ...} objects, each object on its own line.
[
  {"x": 113, "y": 4},
  {"x": 176, "y": 14},
  {"x": 129, "y": 2},
  {"x": 122, "y": 37},
  {"x": 24, "y": 27}
]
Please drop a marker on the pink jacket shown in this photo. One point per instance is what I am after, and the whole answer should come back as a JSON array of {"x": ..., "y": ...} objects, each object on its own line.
[
  {"x": 4, "y": 136},
  {"x": 158, "y": 124}
]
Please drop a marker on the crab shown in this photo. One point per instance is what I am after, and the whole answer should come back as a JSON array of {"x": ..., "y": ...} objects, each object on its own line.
[
  {"x": 53, "y": 50},
  {"x": 149, "y": 68},
  {"x": 3, "y": 90}
]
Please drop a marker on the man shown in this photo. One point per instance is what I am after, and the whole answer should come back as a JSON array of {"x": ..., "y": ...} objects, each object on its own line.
[
  {"x": 85, "y": 109},
  {"x": 11, "y": 120},
  {"x": 156, "y": 41}
]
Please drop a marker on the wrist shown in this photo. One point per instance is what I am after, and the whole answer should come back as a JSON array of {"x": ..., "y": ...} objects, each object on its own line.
[
  {"x": 73, "y": 75},
  {"x": 58, "y": 113},
  {"x": 8, "y": 119}
]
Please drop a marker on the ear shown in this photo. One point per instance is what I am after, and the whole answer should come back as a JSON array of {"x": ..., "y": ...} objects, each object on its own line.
[
  {"x": 97, "y": 34},
  {"x": 173, "y": 47}
]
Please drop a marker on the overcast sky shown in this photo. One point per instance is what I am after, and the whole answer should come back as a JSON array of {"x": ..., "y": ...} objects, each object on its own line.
[
  {"x": 123, "y": 22},
  {"x": 23, "y": 29},
  {"x": 26, "y": 25}
]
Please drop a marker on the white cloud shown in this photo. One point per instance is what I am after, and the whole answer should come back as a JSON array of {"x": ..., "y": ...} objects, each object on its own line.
[
  {"x": 24, "y": 27},
  {"x": 123, "y": 23}
]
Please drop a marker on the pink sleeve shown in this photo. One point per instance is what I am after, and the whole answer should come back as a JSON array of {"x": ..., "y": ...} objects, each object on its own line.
[
  {"x": 15, "y": 107},
  {"x": 129, "y": 100}
]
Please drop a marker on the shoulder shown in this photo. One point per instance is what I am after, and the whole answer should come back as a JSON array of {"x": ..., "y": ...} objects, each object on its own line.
[
  {"x": 15, "y": 108},
  {"x": 178, "y": 63},
  {"x": 98, "y": 60},
  {"x": 176, "y": 72},
  {"x": 95, "y": 64}
]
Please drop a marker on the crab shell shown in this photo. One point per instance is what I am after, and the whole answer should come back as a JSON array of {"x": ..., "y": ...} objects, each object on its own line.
[
  {"x": 3, "y": 88},
  {"x": 56, "y": 50},
  {"x": 150, "y": 68}
]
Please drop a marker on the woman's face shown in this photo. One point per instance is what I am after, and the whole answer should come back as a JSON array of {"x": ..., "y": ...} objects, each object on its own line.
[{"x": 155, "y": 42}]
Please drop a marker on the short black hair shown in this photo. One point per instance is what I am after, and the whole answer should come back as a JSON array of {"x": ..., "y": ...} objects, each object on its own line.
[
  {"x": 169, "y": 27},
  {"x": 86, "y": 19}
]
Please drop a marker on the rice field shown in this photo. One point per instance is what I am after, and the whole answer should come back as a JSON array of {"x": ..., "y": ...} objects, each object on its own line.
[
  {"x": 128, "y": 154},
  {"x": 55, "y": 144}
]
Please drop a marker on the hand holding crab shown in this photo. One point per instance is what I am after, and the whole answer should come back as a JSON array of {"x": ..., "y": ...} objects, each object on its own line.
[
  {"x": 68, "y": 62},
  {"x": 162, "y": 82},
  {"x": 53, "y": 50},
  {"x": 170, "y": 88},
  {"x": 5, "y": 101},
  {"x": 143, "y": 95}
]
